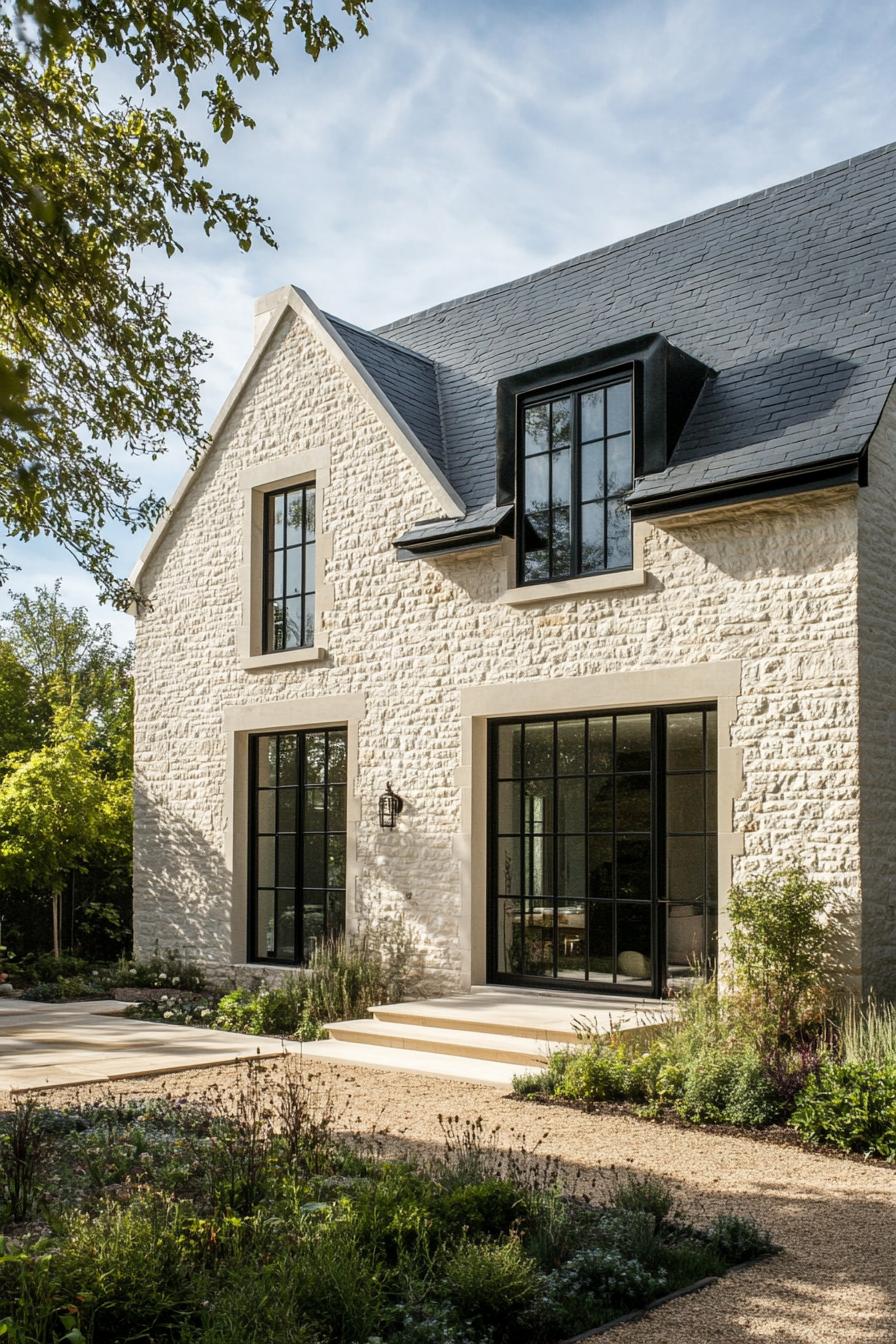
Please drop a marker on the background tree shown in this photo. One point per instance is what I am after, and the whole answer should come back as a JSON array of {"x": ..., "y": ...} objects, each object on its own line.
[
  {"x": 56, "y": 806},
  {"x": 91, "y": 371},
  {"x": 52, "y": 657}
]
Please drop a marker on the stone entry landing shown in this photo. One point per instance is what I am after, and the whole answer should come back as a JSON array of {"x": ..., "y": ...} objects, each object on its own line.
[{"x": 488, "y": 1035}]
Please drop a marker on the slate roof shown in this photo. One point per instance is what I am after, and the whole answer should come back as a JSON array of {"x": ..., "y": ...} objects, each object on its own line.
[
  {"x": 789, "y": 294},
  {"x": 407, "y": 378}
]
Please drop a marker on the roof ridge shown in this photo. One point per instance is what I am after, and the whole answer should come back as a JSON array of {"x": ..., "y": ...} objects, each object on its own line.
[
  {"x": 384, "y": 340},
  {"x": 583, "y": 257}
]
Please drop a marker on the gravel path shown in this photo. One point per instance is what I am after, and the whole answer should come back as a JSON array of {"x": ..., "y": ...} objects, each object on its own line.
[{"x": 836, "y": 1220}]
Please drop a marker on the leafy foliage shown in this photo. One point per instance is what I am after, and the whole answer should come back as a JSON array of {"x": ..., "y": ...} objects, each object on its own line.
[
  {"x": 91, "y": 371},
  {"x": 245, "y": 1218},
  {"x": 852, "y": 1107}
]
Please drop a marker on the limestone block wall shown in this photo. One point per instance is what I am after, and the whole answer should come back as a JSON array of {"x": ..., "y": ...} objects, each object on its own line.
[{"x": 773, "y": 586}]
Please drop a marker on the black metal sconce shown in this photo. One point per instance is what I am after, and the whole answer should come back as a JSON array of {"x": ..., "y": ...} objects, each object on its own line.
[{"x": 390, "y": 807}]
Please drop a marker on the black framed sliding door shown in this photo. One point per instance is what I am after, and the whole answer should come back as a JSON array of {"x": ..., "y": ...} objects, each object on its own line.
[{"x": 601, "y": 849}]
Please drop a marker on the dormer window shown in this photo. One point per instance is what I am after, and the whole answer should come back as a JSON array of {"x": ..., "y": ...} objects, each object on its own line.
[{"x": 576, "y": 465}]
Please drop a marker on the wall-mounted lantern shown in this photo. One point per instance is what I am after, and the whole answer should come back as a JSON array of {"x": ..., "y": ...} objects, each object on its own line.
[{"x": 390, "y": 807}]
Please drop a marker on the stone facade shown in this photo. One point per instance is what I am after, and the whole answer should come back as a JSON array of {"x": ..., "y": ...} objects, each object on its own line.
[{"x": 772, "y": 587}]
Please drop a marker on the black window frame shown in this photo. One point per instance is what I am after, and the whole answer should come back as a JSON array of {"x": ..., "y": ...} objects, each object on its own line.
[
  {"x": 331, "y": 927},
  {"x": 574, "y": 390},
  {"x": 659, "y": 882},
  {"x": 277, "y": 556}
]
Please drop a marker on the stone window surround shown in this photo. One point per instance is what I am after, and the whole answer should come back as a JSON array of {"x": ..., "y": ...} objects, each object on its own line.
[
  {"x": 588, "y": 585},
  {"x": 254, "y": 483},
  {"x": 696, "y": 683},
  {"x": 239, "y": 723}
]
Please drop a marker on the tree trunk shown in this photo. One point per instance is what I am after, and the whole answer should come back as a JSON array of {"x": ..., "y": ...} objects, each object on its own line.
[{"x": 57, "y": 924}]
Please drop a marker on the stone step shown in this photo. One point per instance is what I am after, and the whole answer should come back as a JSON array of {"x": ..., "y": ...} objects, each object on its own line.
[
  {"x": 441, "y": 1040},
  {"x": 550, "y": 1018},
  {"x": 353, "y": 1054}
]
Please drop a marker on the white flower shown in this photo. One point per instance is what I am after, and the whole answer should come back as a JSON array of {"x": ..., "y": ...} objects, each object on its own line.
[
  {"x": 162, "y": 975},
  {"x": 163, "y": 999},
  {"x": 175, "y": 979},
  {"x": 205, "y": 1012},
  {"x": 132, "y": 971},
  {"x": 167, "y": 1015}
]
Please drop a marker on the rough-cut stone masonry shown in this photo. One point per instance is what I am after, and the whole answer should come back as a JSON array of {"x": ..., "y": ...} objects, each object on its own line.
[{"x": 774, "y": 586}]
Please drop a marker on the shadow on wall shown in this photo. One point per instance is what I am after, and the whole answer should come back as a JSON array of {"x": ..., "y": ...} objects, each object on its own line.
[
  {"x": 182, "y": 886},
  {"x": 761, "y": 398}
]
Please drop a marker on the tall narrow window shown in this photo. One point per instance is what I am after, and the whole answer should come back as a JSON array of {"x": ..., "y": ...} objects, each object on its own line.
[
  {"x": 297, "y": 885},
  {"x": 289, "y": 559},
  {"x": 576, "y": 466}
]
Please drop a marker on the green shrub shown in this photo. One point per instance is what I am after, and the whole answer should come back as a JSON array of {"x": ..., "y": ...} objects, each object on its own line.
[
  {"x": 735, "y": 1239},
  {"x": 532, "y": 1084},
  {"x": 487, "y": 1209},
  {"x": 164, "y": 970},
  {"x": 852, "y": 1107},
  {"x": 781, "y": 946},
  {"x": 644, "y": 1194},
  {"x": 490, "y": 1284}
]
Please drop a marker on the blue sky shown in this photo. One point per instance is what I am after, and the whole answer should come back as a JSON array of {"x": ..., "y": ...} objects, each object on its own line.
[{"x": 464, "y": 143}]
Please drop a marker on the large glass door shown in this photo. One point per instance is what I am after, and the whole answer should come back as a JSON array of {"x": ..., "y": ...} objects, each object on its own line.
[{"x": 602, "y": 855}]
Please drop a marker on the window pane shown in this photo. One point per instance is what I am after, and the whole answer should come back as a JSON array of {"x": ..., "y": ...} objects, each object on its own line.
[
  {"x": 538, "y": 807},
  {"x": 314, "y": 809},
  {"x": 310, "y": 513},
  {"x": 593, "y": 484},
  {"x": 560, "y": 543},
  {"x": 335, "y": 913},
  {"x": 619, "y": 408},
  {"x": 571, "y": 952},
  {"x": 312, "y": 928},
  {"x": 286, "y": 862},
  {"x": 600, "y": 866},
  {"x": 684, "y": 804},
  {"x": 309, "y": 573},
  {"x": 308, "y": 634},
  {"x": 633, "y": 868},
  {"x": 539, "y": 749},
  {"x": 336, "y": 754},
  {"x": 295, "y": 517},
  {"x": 571, "y": 747},
  {"x": 265, "y": 939},
  {"x": 686, "y": 861},
  {"x": 536, "y": 566},
  {"x": 633, "y": 742},
  {"x": 619, "y": 464},
  {"x": 538, "y": 864},
  {"x": 294, "y": 570},
  {"x": 510, "y": 737},
  {"x": 571, "y": 866},
  {"x": 335, "y": 860},
  {"x": 592, "y": 413},
  {"x": 571, "y": 806},
  {"x": 315, "y": 757},
  {"x": 275, "y": 573},
  {"x": 559, "y": 478},
  {"x": 288, "y": 759},
  {"x": 314, "y": 855},
  {"x": 619, "y": 535},
  {"x": 265, "y": 860},
  {"x": 600, "y": 803},
  {"x": 684, "y": 741},
  {"x": 600, "y": 941},
  {"x": 267, "y": 811},
  {"x": 600, "y": 745},
  {"x": 712, "y": 802},
  {"x": 286, "y": 809},
  {"x": 275, "y": 520},
  {"x": 633, "y": 964},
  {"x": 560, "y": 426},
  {"x": 538, "y": 484},
  {"x": 508, "y": 808},
  {"x": 537, "y": 438},
  {"x": 293, "y": 636},
  {"x": 507, "y": 859},
  {"x": 684, "y": 941},
  {"x": 279, "y": 622},
  {"x": 538, "y": 951},
  {"x": 286, "y": 925},
  {"x": 508, "y": 937},
  {"x": 336, "y": 807},
  {"x": 267, "y": 761},
  {"x": 633, "y": 803}
]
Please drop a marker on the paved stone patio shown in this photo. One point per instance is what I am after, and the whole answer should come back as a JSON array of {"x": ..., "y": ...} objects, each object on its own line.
[{"x": 53, "y": 1044}]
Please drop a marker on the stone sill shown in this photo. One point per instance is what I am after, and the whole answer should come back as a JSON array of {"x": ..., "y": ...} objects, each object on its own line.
[
  {"x": 259, "y": 662},
  {"x": 591, "y": 585}
]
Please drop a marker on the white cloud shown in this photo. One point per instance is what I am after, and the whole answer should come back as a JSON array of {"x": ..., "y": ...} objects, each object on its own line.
[{"x": 464, "y": 144}]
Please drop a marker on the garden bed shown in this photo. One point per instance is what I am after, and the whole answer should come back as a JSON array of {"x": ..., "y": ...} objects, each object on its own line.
[{"x": 197, "y": 1222}]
